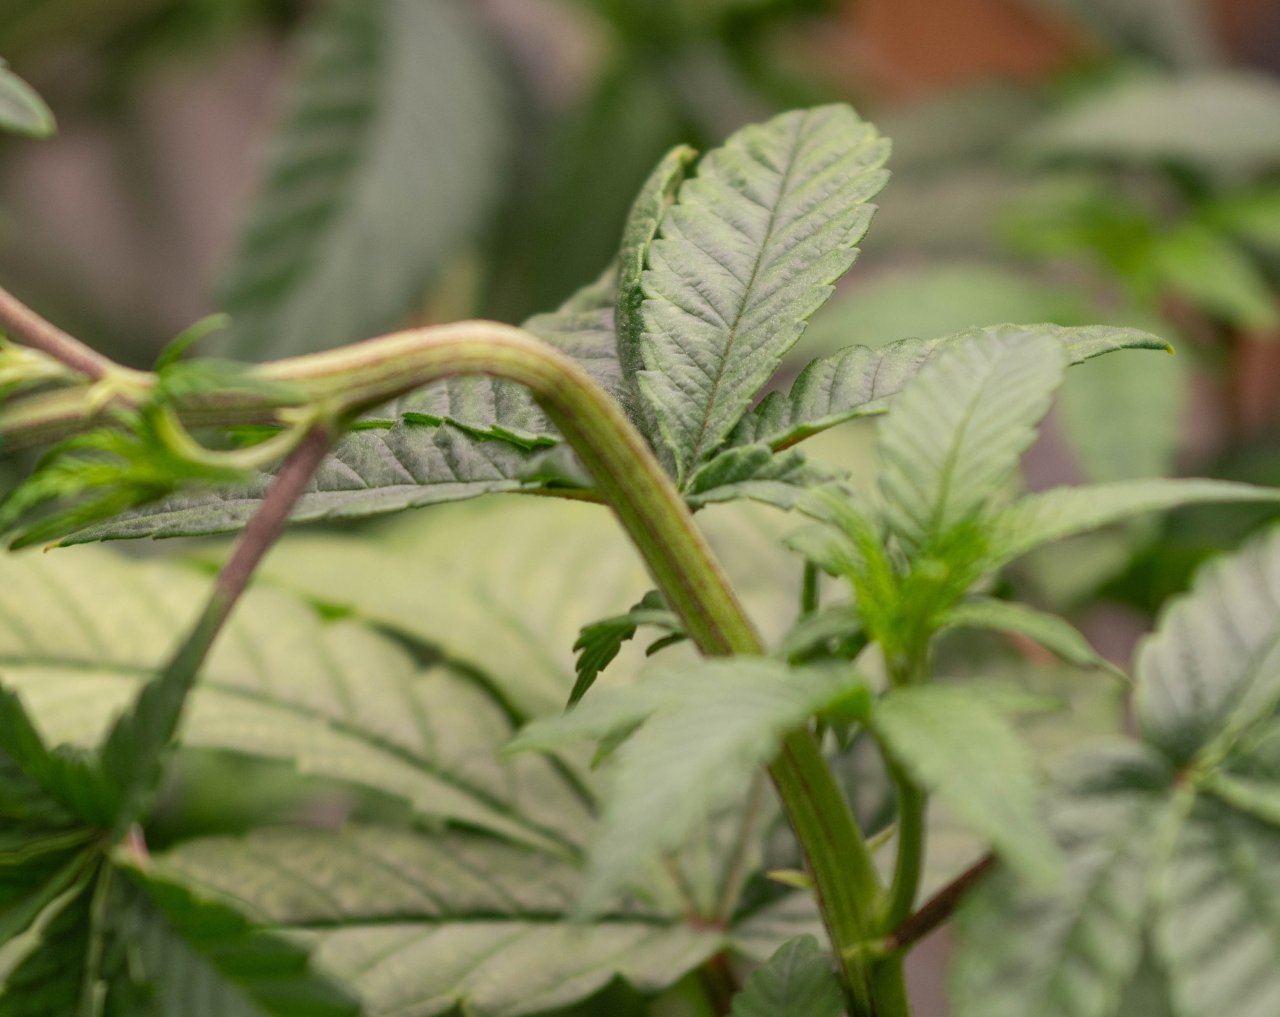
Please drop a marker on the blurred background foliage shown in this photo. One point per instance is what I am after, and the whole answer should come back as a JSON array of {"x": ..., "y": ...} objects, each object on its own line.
[{"x": 329, "y": 169}]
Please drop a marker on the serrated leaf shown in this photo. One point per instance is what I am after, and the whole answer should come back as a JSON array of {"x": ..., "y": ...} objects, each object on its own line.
[
  {"x": 599, "y": 642},
  {"x": 709, "y": 725},
  {"x": 1218, "y": 930},
  {"x": 402, "y": 457},
  {"x": 198, "y": 955},
  {"x": 858, "y": 381},
  {"x": 749, "y": 250},
  {"x": 1210, "y": 670},
  {"x": 362, "y": 202},
  {"x": 781, "y": 479},
  {"x": 369, "y": 472},
  {"x": 656, "y": 194},
  {"x": 1069, "y": 950},
  {"x": 953, "y": 743},
  {"x": 797, "y": 981},
  {"x": 1060, "y": 512},
  {"x": 958, "y": 431},
  {"x": 336, "y": 700},
  {"x": 424, "y": 925},
  {"x": 1053, "y": 633},
  {"x": 22, "y": 111}
]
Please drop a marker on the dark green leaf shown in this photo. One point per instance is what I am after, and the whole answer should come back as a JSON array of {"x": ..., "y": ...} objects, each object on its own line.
[
  {"x": 201, "y": 956},
  {"x": 749, "y": 250},
  {"x": 388, "y": 159},
  {"x": 599, "y": 642},
  {"x": 369, "y": 472},
  {"x": 797, "y": 981},
  {"x": 781, "y": 479},
  {"x": 1201, "y": 265}
]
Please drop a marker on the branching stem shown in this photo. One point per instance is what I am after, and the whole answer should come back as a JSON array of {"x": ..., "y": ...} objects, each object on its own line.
[
  {"x": 342, "y": 383},
  {"x": 24, "y": 326}
]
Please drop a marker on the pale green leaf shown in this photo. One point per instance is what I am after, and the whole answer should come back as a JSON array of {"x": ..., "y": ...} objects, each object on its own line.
[
  {"x": 336, "y": 700},
  {"x": 1142, "y": 398},
  {"x": 1065, "y": 511},
  {"x": 747, "y": 253},
  {"x": 389, "y": 158},
  {"x": 1211, "y": 669},
  {"x": 523, "y": 576},
  {"x": 1218, "y": 930},
  {"x": 1069, "y": 950},
  {"x": 956, "y": 745},
  {"x": 422, "y": 925},
  {"x": 797, "y": 981},
  {"x": 1236, "y": 117},
  {"x": 1053, "y": 633},
  {"x": 56, "y": 974},
  {"x": 709, "y": 725},
  {"x": 958, "y": 431},
  {"x": 858, "y": 381},
  {"x": 22, "y": 111}
]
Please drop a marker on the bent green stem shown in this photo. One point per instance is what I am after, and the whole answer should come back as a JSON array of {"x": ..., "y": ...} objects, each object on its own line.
[{"x": 342, "y": 383}]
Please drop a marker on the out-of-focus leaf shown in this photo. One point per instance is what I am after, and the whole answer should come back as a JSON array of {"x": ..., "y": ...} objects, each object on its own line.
[
  {"x": 1179, "y": 33},
  {"x": 1236, "y": 118},
  {"x": 389, "y": 158},
  {"x": 1205, "y": 267},
  {"x": 957, "y": 745},
  {"x": 1068, "y": 950},
  {"x": 22, "y": 111},
  {"x": 424, "y": 924}
]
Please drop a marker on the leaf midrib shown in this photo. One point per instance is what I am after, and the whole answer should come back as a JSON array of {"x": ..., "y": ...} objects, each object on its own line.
[{"x": 732, "y": 335}]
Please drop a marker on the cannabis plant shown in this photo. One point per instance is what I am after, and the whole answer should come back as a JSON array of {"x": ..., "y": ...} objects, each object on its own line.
[{"x": 508, "y": 856}]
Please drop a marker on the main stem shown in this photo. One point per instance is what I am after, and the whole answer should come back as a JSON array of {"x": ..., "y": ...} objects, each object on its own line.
[{"x": 349, "y": 380}]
